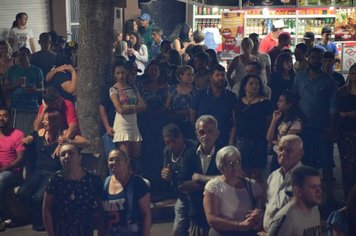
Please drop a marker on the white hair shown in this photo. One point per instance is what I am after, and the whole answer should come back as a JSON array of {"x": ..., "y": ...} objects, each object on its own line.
[
  {"x": 295, "y": 139},
  {"x": 223, "y": 153},
  {"x": 206, "y": 119}
]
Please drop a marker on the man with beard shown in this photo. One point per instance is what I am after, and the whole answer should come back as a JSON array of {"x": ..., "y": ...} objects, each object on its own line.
[
  {"x": 301, "y": 215},
  {"x": 317, "y": 92},
  {"x": 219, "y": 102},
  {"x": 11, "y": 154}
]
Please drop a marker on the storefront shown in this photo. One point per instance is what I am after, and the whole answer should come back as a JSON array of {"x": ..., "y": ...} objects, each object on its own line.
[{"x": 235, "y": 19}]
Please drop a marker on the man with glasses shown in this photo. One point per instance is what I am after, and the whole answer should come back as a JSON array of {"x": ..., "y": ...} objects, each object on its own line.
[{"x": 279, "y": 192}]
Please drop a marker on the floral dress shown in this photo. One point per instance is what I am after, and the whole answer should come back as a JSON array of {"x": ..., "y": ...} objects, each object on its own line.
[{"x": 73, "y": 203}]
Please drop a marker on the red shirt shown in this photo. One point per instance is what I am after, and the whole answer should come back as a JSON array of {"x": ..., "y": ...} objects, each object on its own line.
[
  {"x": 267, "y": 43},
  {"x": 9, "y": 146},
  {"x": 69, "y": 112}
]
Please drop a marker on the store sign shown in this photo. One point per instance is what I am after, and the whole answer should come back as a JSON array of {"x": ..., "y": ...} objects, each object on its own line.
[
  {"x": 321, "y": 3},
  {"x": 252, "y": 3},
  {"x": 232, "y": 31},
  {"x": 348, "y": 56},
  {"x": 345, "y": 24}
]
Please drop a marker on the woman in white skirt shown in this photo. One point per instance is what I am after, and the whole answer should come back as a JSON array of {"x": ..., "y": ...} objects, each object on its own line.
[{"x": 127, "y": 102}]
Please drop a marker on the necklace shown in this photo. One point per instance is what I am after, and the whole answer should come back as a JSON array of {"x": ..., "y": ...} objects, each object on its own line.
[{"x": 174, "y": 160}]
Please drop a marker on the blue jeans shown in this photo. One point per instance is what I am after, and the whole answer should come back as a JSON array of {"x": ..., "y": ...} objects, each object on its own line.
[
  {"x": 181, "y": 219},
  {"x": 31, "y": 194},
  {"x": 108, "y": 144},
  {"x": 8, "y": 180}
]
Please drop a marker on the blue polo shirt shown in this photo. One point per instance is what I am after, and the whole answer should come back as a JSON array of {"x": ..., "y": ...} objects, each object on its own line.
[
  {"x": 221, "y": 108},
  {"x": 155, "y": 49},
  {"x": 317, "y": 98}
]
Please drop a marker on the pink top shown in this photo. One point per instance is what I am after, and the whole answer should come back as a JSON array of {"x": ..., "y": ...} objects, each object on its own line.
[{"x": 9, "y": 146}]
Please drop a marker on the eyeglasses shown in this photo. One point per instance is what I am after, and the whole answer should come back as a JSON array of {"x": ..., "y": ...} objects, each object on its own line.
[{"x": 233, "y": 163}]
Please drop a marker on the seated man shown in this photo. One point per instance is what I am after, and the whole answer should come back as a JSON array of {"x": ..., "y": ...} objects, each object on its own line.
[
  {"x": 11, "y": 154},
  {"x": 301, "y": 215},
  {"x": 198, "y": 168},
  {"x": 176, "y": 147},
  {"x": 51, "y": 99},
  {"x": 279, "y": 191}
]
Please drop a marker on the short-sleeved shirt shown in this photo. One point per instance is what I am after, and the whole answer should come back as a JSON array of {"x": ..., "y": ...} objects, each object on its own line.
[
  {"x": 68, "y": 110},
  {"x": 182, "y": 101},
  {"x": 338, "y": 219},
  {"x": 267, "y": 43},
  {"x": 57, "y": 81},
  {"x": 21, "y": 38},
  {"x": 229, "y": 196},
  {"x": 155, "y": 49},
  {"x": 45, "y": 60},
  {"x": 109, "y": 107},
  {"x": 273, "y": 54},
  {"x": 20, "y": 99},
  {"x": 346, "y": 102},
  {"x": 330, "y": 47},
  {"x": 73, "y": 203},
  {"x": 339, "y": 79},
  {"x": 317, "y": 98},
  {"x": 292, "y": 221},
  {"x": 221, "y": 108},
  {"x": 116, "y": 205},
  {"x": 10, "y": 145},
  {"x": 265, "y": 61}
]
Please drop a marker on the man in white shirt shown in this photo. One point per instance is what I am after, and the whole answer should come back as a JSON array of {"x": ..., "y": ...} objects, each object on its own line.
[
  {"x": 279, "y": 192},
  {"x": 300, "y": 217}
]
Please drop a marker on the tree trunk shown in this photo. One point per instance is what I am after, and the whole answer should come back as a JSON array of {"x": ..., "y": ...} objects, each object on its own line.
[{"x": 94, "y": 60}]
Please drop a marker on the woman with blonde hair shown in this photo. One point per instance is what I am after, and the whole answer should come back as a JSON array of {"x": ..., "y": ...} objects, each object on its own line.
[{"x": 239, "y": 63}]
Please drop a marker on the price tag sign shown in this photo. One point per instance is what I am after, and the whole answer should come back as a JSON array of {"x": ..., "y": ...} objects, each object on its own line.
[{"x": 348, "y": 56}]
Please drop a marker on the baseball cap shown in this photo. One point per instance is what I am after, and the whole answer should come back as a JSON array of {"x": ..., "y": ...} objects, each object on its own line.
[
  {"x": 326, "y": 29},
  {"x": 309, "y": 35},
  {"x": 278, "y": 24},
  {"x": 145, "y": 16},
  {"x": 284, "y": 36}
]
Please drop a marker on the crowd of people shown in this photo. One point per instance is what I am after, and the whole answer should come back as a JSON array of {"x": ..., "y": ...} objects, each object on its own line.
[{"x": 171, "y": 113}]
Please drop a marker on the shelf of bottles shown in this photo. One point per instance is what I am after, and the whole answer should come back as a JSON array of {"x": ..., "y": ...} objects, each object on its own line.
[
  {"x": 296, "y": 22},
  {"x": 206, "y": 17}
]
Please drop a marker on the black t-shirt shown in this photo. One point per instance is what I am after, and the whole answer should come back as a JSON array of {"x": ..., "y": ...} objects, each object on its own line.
[
  {"x": 44, "y": 152},
  {"x": 252, "y": 119},
  {"x": 339, "y": 79},
  {"x": 45, "y": 60},
  {"x": 109, "y": 106},
  {"x": 279, "y": 85},
  {"x": 346, "y": 103},
  {"x": 57, "y": 81}
]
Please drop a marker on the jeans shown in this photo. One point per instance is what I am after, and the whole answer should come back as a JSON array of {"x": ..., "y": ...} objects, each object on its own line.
[
  {"x": 8, "y": 180},
  {"x": 31, "y": 194},
  {"x": 181, "y": 219},
  {"x": 108, "y": 144}
]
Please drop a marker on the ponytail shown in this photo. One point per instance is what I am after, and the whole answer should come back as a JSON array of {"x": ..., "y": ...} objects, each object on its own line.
[{"x": 16, "y": 21}]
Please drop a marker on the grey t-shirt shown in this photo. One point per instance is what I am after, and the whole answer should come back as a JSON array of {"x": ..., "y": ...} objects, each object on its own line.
[{"x": 291, "y": 221}]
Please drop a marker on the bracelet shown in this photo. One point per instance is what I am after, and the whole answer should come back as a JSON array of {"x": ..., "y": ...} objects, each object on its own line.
[{"x": 70, "y": 141}]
